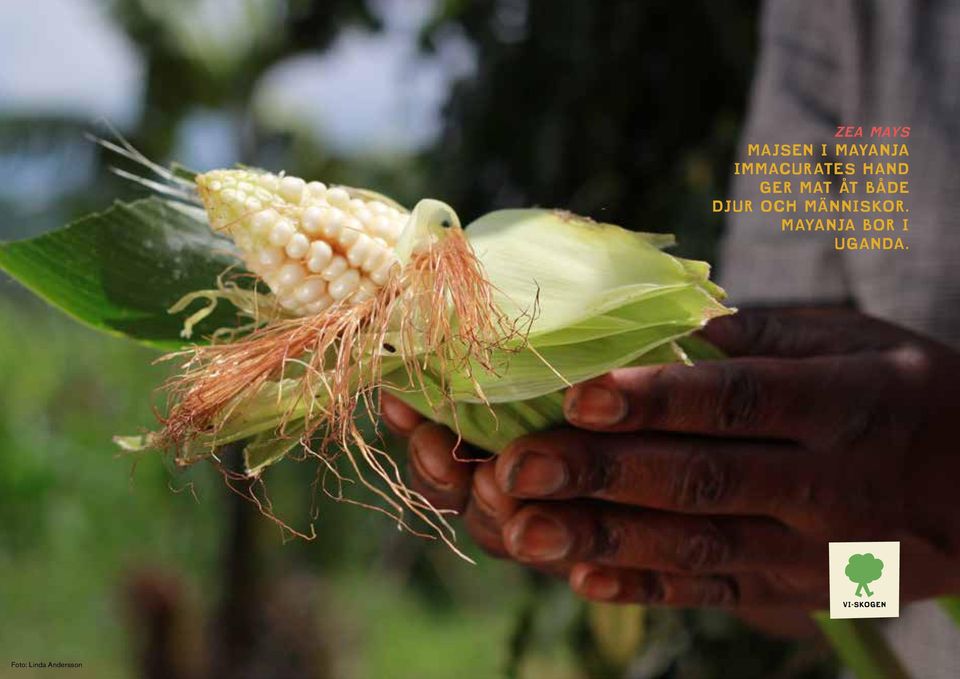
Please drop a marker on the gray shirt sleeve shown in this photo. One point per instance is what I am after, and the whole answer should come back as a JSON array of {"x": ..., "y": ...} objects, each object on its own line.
[
  {"x": 825, "y": 63},
  {"x": 796, "y": 98}
]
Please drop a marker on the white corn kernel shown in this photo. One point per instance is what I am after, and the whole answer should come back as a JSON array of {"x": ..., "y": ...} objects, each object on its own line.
[
  {"x": 281, "y": 232},
  {"x": 360, "y": 250},
  {"x": 363, "y": 215},
  {"x": 291, "y": 189},
  {"x": 310, "y": 290},
  {"x": 319, "y": 256},
  {"x": 289, "y": 275},
  {"x": 380, "y": 227},
  {"x": 332, "y": 224},
  {"x": 394, "y": 230},
  {"x": 271, "y": 258},
  {"x": 352, "y": 230},
  {"x": 298, "y": 246},
  {"x": 344, "y": 284},
  {"x": 312, "y": 219},
  {"x": 338, "y": 196},
  {"x": 382, "y": 274},
  {"x": 373, "y": 261},
  {"x": 263, "y": 221},
  {"x": 336, "y": 267}
]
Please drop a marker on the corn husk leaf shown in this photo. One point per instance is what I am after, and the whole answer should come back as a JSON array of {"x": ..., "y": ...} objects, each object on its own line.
[
  {"x": 492, "y": 427},
  {"x": 571, "y": 268}
]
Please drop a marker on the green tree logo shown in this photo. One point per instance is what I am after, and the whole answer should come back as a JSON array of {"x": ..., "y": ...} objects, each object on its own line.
[{"x": 864, "y": 568}]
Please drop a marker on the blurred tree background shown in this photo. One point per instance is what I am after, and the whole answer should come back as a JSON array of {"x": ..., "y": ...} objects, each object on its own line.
[{"x": 624, "y": 111}]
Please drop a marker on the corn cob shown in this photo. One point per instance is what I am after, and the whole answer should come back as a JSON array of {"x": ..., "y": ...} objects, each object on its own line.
[
  {"x": 479, "y": 332},
  {"x": 311, "y": 244}
]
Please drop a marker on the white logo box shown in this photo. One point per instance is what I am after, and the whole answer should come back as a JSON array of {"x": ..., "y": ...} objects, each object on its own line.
[{"x": 879, "y": 596}]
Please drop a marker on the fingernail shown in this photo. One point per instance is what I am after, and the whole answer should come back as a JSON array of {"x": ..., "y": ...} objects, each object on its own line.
[
  {"x": 399, "y": 416},
  {"x": 596, "y": 405},
  {"x": 486, "y": 493},
  {"x": 600, "y": 585},
  {"x": 539, "y": 538},
  {"x": 431, "y": 467},
  {"x": 534, "y": 475}
]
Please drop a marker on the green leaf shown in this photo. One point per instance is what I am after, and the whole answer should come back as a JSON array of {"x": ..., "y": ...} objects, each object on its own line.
[{"x": 121, "y": 269}]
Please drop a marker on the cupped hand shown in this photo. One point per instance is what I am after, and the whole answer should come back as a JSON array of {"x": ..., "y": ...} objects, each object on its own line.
[
  {"x": 450, "y": 474},
  {"x": 722, "y": 483}
]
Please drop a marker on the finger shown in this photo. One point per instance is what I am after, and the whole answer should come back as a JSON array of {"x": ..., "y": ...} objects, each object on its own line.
[
  {"x": 400, "y": 418},
  {"x": 685, "y": 474},
  {"x": 664, "y": 589},
  {"x": 484, "y": 530},
  {"x": 748, "y": 397},
  {"x": 638, "y": 539},
  {"x": 487, "y": 510},
  {"x": 488, "y": 496},
  {"x": 799, "y": 333},
  {"x": 434, "y": 468},
  {"x": 439, "y": 498}
]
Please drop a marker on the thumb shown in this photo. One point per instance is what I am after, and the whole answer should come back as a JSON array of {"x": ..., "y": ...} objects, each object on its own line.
[{"x": 797, "y": 333}]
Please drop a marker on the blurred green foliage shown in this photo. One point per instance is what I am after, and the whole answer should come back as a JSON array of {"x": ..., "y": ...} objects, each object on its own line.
[
  {"x": 82, "y": 527},
  {"x": 73, "y": 518}
]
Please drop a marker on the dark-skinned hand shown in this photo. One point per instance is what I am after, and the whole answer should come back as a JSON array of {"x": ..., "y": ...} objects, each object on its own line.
[{"x": 721, "y": 484}]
